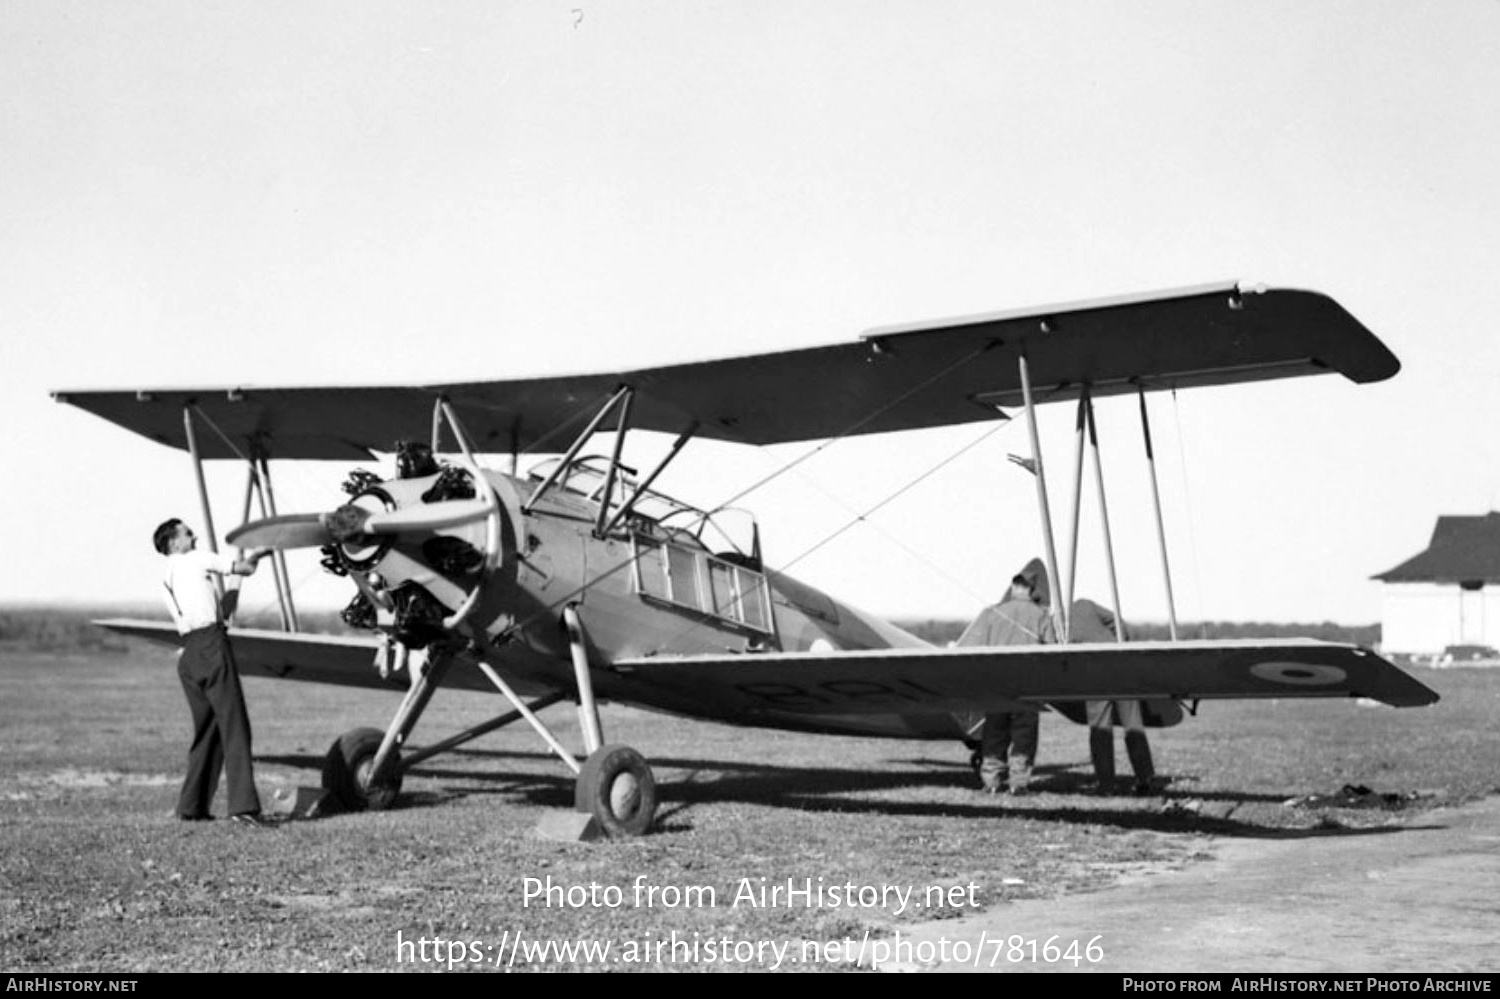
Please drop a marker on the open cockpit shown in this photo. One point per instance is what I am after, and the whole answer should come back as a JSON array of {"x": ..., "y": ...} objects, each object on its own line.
[{"x": 702, "y": 562}]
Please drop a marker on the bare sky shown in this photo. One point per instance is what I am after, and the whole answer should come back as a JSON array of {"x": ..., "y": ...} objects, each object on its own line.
[{"x": 376, "y": 192}]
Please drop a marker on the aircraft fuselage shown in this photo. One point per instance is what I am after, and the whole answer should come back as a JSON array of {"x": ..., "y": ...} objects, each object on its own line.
[{"x": 646, "y": 587}]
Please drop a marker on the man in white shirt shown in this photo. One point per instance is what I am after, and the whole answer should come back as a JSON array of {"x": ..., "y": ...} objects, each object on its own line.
[{"x": 221, "y": 726}]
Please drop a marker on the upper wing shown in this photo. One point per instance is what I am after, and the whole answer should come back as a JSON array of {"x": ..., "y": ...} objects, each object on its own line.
[
  {"x": 973, "y": 678},
  {"x": 898, "y": 378}
]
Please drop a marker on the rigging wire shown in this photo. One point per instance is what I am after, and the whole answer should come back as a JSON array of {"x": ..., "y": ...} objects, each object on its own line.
[
  {"x": 863, "y": 517},
  {"x": 853, "y": 428},
  {"x": 787, "y": 467}
]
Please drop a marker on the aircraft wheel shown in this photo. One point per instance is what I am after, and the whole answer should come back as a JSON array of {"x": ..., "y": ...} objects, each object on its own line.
[
  {"x": 617, "y": 788},
  {"x": 346, "y": 772}
]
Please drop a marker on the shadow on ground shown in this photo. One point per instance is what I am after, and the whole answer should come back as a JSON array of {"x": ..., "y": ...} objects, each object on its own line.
[{"x": 1061, "y": 794}]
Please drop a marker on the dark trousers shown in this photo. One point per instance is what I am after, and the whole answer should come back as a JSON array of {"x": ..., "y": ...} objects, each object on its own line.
[
  {"x": 1007, "y": 749},
  {"x": 221, "y": 726},
  {"x": 1102, "y": 716}
]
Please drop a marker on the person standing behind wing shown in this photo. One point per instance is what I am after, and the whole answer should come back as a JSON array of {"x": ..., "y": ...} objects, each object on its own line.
[
  {"x": 210, "y": 680},
  {"x": 1007, "y": 746},
  {"x": 1093, "y": 623}
]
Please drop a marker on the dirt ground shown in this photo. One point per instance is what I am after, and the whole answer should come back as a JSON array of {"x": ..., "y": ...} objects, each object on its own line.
[{"x": 1421, "y": 896}]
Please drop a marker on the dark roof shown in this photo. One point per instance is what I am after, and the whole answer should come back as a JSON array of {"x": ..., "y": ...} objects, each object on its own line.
[{"x": 1462, "y": 550}]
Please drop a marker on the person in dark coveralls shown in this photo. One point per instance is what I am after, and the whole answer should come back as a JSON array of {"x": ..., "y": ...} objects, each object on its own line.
[
  {"x": 221, "y": 726},
  {"x": 1092, "y": 623},
  {"x": 1007, "y": 746}
]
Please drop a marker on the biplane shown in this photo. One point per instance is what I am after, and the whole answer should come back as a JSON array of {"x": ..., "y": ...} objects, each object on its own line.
[{"x": 579, "y": 581}]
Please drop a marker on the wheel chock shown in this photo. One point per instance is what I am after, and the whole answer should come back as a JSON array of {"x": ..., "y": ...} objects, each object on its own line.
[
  {"x": 568, "y": 826},
  {"x": 302, "y": 803}
]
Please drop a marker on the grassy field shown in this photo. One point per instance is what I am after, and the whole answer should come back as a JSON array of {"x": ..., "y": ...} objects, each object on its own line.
[{"x": 96, "y": 874}]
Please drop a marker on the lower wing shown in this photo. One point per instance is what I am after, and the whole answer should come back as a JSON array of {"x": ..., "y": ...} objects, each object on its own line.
[
  {"x": 958, "y": 679},
  {"x": 882, "y": 681},
  {"x": 345, "y": 661}
]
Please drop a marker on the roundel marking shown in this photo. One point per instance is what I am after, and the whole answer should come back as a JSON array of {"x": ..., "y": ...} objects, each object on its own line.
[{"x": 1299, "y": 674}]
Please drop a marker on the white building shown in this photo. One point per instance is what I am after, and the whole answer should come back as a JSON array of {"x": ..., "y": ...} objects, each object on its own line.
[{"x": 1448, "y": 594}]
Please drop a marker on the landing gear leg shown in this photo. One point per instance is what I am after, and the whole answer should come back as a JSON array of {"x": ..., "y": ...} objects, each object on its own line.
[
  {"x": 615, "y": 785},
  {"x": 363, "y": 767}
]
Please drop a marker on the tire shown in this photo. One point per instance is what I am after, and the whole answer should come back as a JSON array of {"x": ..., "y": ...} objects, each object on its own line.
[
  {"x": 616, "y": 787},
  {"x": 346, "y": 772}
]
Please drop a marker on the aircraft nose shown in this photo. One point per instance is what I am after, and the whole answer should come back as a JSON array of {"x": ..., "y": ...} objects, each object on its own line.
[
  {"x": 394, "y": 534},
  {"x": 363, "y": 526},
  {"x": 454, "y": 534}
]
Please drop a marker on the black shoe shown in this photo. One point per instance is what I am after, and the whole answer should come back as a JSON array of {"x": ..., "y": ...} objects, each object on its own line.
[
  {"x": 253, "y": 819},
  {"x": 195, "y": 818},
  {"x": 1142, "y": 789}
]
